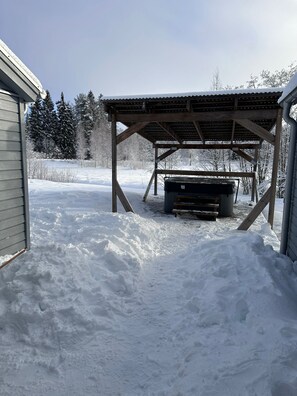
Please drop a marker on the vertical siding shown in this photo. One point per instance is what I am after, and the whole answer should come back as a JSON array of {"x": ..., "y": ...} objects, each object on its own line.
[
  {"x": 13, "y": 184},
  {"x": 292, "y": 231}
]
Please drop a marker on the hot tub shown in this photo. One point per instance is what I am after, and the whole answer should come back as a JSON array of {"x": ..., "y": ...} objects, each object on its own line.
[{"x": 223, "y": 188}]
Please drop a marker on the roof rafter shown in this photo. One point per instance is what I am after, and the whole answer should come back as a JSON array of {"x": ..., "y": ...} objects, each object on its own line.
[{"x": 167, "y": 128}]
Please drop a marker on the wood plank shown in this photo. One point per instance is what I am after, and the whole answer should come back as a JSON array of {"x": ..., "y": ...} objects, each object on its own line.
[
  {"x": 4, "y": 195},
  {"x": 10, "y": 185},
  {"x": 9, "y": 232},
  {"x": 166, "y": 154},
  {"x": 10, "y": 136},
  {"x": 10, "y": 146},
  {"x": 11, "y": 203},
  {"x": 11, "y": 156},
  {"x": 12, "y": 240},
  {"x": 244, "y": 155},
  {"x": 148, "y": 187},
  {"x": 9, "y": 126},
  {"x": 130, "y": 131},
  {"x": 122, "y": 197},
  {"x": 11, "y": 213},
  {"x": 199, "y": 116},
  {"x": 204, "y": 173},
  {"x": 13, "y": 249},
  {"x": 12, "y": 222},
  {"x": 167, "y": 128},
  {"x": 256, "y": 129},
  {"x": 114, "y": 163},
  {"x": 9, "y": 116},
  {"x": 207, "y": 146},
  {"x": 10, "y": 165},
  {"x": 255, "y": 212},
  {"x": 9, "y": 106},
  {"x": 10, "y": 174}
]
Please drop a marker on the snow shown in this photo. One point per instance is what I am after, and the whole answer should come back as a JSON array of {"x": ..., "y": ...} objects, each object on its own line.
[
  {"x": 144, "y": 304},
  {"x": 189, "y": 94},
  {"x": 290, "y": 87}
]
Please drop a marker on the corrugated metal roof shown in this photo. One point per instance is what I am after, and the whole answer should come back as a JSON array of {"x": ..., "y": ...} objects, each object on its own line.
[{"x": 193, "y": 94}]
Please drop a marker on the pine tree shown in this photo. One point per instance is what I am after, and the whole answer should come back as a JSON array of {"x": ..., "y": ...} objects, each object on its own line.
[
  {"x": 34, "y": 126},
  {"x": 66, "y": 139},
  {"x": 49, "y": 124}
]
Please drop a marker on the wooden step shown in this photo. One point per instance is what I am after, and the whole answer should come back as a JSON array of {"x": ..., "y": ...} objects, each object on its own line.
[
  {"x": 196, "y": 206},
  {"x": 206, "y": 215}
]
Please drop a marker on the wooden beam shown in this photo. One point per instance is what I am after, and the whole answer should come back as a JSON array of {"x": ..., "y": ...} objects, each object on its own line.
[
  {"x": 149, "y": 186},
  {"x": 278, "y": 132},
  {"x": 166, "y": 154},
  {"x": 199, "y": 131},
  {"x": 204, "y": 173},
  {"x": 244, "y": 155},
  {"x": 167, "y": 128},
  {"x": 113, "y": 162},
  {"x": 257, "y": 209},
  {"x": 155, "y": 170},
  {"x": 234, "y": 124},
  {"x": 207, "y": 146},
  {"x": 199, "y": 116},
  {"x": 122, "y": 197},
  {"x": 130, "y": 131},
  {"x": 256, "y": 129}
]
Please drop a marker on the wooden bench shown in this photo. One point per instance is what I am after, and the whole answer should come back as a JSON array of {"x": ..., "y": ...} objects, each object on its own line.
[{"x": 202, "y": 206}]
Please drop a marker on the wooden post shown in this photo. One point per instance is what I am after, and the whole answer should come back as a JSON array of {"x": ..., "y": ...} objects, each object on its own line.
[
  {"x": 155, "y": 172},
  {"x": 149, "y": 186},
  {"x": 114, "y": 161},
  {"x": 278, "y": 133}
]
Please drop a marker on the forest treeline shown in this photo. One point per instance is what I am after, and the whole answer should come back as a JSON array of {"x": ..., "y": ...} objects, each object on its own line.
[{"x": 81, "y": 131}]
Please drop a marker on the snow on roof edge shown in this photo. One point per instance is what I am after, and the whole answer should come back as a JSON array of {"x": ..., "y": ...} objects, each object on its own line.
[
  {"x": 193, "y": 94},
  {"x": 22, "y": 67},
  {"x": 289, "y": 89}
]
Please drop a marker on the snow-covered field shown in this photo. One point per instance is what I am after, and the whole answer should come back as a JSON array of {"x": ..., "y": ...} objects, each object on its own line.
[{"x": 144, "y": 304}]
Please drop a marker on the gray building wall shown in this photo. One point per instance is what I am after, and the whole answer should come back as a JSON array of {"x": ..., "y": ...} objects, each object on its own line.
[
  {"x": 14, "y": 226},
  {"x": 292, "y": 230}
]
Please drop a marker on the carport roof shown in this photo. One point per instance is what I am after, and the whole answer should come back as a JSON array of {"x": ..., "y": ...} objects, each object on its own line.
[{"x": 208, "y": 116}]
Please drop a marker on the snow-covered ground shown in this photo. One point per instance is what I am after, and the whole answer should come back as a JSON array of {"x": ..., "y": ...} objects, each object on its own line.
[{"x": 144, "y": 304}]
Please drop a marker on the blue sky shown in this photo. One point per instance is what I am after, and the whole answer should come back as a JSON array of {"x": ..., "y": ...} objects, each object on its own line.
[{"x": 118, "y": 47}]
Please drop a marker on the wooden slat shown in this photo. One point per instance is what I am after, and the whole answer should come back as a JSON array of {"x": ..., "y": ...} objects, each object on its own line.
[
  {"x": 8, "y": 116},
  {"x": 258, "y": 208},
  {"x": 11, "y": 203},
  {"x": 9, "y": 232},
  {"x": 11, "y": 155},
  {"x": 256, "y": 129},
  {"x": 9, "y": 106},
  {"x": 130, "y": 131},
  {"x": 9, "y": 146},
  {"x": 14, "y": 248},
  {"x": 199, "y": 116},
  {"x": 12, "y": 240},
  {"x": 12, "y": 222},
  {"x": 10, "y": 165},
  {"x": 10, "y": 213},
  {"x": 10, "y": 174},
  {"x": 10, "y": 136},
  {"x": 9, "y": 126},
  {"x": 207, "y": 146},
  {"x": 10, "y": 185},
  {"x": 4, "y": 195},
  {"x": 122, "y": 197}
]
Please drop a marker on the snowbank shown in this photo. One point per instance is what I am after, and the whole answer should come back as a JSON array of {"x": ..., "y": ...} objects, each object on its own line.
[{"x": 126, "y": 304}]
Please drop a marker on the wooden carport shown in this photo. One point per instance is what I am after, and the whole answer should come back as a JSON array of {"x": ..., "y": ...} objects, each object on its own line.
[{"x": 234, "y": 120}]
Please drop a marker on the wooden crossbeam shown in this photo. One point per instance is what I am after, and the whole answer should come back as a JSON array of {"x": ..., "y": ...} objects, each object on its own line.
[
  {"x": 166, "y": 154},
  {"x": 207, "y": 146},
  {"x": 204, "y": 173},
  {"x": 130, "y": 131},
  {"x": 122, "y": 197},
  {"x": 167, "y": 128},
  {"x": 199, "y": 116},
  {"x": 257, "y": 209},
  {"x": 199, "y": 130},
  {"x": 244, "y": 155},
  {"x": 256, "y": 129}
]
